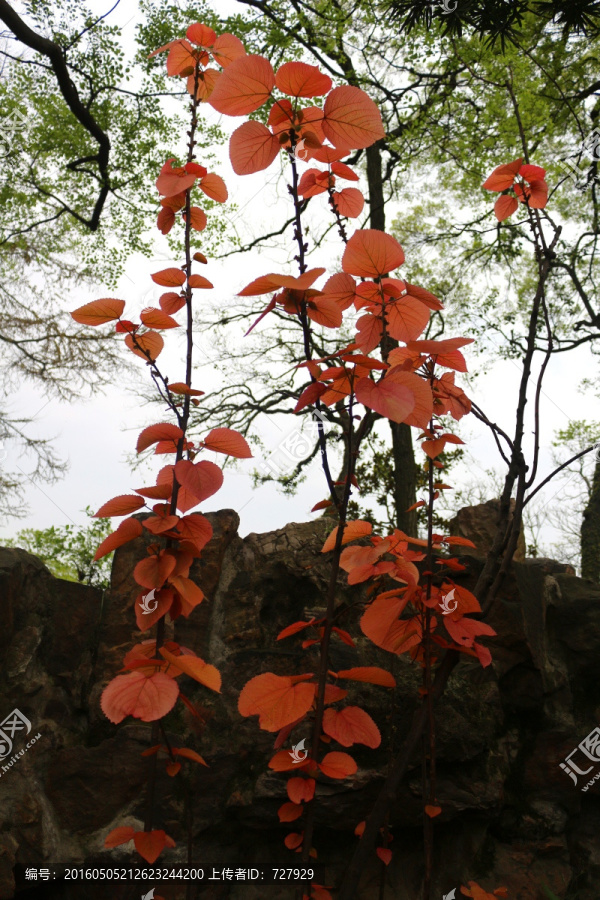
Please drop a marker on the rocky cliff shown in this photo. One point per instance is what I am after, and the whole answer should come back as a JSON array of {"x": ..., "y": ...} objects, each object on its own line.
[{"x": 511, "y": 816}]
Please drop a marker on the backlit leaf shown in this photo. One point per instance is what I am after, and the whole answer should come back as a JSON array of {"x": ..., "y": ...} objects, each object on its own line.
[
  {"x": 503, "y": 176},
  {"x": 164, "y": 431},
  {"x": 301, "y": 80},
  {"x": 369, "y": 674},
  {"x": 371, "y": 253},
  {"x": 196, "y": 668},
  {"x": 351, "y": 725},
  {"x": 118, "y": 836},
  {"x": 145, "y": 697},
  {"x": 352, "y": 530},
  {"x": 153, "y": 571},
  {"x": 226, "y": 48},
  {"x": 245, "y": 85},
  {"x": 337, "y": 765},
  {"x": 148, "y": 346},
  {"x": 150, "y": 844},
  {"x": 201, "y": 479},
  {"x": 349, "y": 202},
  {"x": 226, "y": 440},
  {"x": 276, "y": 699},
  {"x": 214, "y": 187},
  {"x": 169, "y": 277},
  {"x": 201, "y": 35},
  {"x": 252, "y": 148},
  {"x": 98, "y": 312},
  {"x": 127, "y": 531},
  {"x": 120, "y": 506},
  {"x": 393, "y": 401},
  {"x": 156, "y": 318},
  {"x": 505, "y": 206},
  {"x": 351, "y": 118}
]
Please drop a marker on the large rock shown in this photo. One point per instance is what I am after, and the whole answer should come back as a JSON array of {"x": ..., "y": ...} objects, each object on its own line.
[
  {"x": 511, "y": 816},
  {"x": 478, "y": 524}
]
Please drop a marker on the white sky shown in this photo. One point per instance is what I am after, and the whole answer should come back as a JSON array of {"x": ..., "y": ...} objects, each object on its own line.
[{"x": 96, "y": 436}]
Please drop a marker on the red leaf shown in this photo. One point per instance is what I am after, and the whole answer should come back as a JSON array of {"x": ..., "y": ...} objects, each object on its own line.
[
  {"x": 127, "y": 531},
  {"x": 341, "y": 288},
  {"x": 432, "y": 811},
  {"x": 150, "y": 844},
  {"x": 252, "y": 148},
  {"x": 245, "y": 85},
  {"x": 536, "y": 193},
  {"x": 349, "y": 202},
  {"x": 293, "y": 840},
  {"x": 201, "y": 479},
  {"x": 199, "y": 281},
  {"x": 118, "y": 836},
  {"x": 119, "y": 506},
  {"x": 407, "y": 318},
  {"x": 201, "y": 35},
  {"x": 198, "y": 218},
  {"x": 169, "y": 277},
  {"x": 153, "y": 571},
  {"x": 294, "y": 628},
  {"x": 505, "y": 206},
  {"x": 171, "y": 302},
  {"x": 351, "y": 119},
  {"x": 369, "y": 674},
  {"x": 214, "y": 187},
  {"x": 189, "y": 754},
  {"x": 337, "y": 765},
  {"x": 343, "y": 171},
  {"x": 145, "y": 697},
  {"x": 532, "y": 173},
  {"x": 196, "y": 668},
  {"x": 309, "y": 395},
  {"x": 156, "y": 318},
  {"x": 301, "y": 790},
  {"x": 226, "y": 440},
  {"x": 227, "y": 48},
  {"x": 371, "y": 253},
  {"x": 147, "y": 346},
  {"x": 423, "y": 408},
  {"x": 172, "y": 181},
  {"x": 164, "y": 431},
  {"x": 276, "y": 699},
  {"x": 301, "y": 80},
  {"x": 352, "y": 530},
  {"x": 98, "y": 312},
  {"x": 391, "y": 400},
  {"x": 351, "y": 725},
  {"x": 384, "y": 855},
  {"x": 289, "y": 812},
  {"x": 503, "y": 176}
]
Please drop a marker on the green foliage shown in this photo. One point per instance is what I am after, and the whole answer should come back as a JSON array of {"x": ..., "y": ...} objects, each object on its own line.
[{"x": 68, "y": 551}]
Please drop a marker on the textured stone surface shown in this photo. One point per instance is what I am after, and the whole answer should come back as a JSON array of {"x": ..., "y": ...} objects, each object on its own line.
[
  {"x": 510, "y": 814},
  {"x": 478, "y": 524}
]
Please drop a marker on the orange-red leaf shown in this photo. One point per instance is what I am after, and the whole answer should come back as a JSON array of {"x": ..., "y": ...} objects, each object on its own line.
[
  {"x": 199, "y": 281},
  {"x": 503, "y": 176},
  {"x": 198, "y": 218},
  {"x": 351, "y": 725},
  {"x": 196, "y": 668},
  {"x": 150, "y": 844},
  {"x": 353, "y": 530},
  {"x": 293, "y": 840},
  {"x": 127, "y": 531},
  {"x": 423, "y": 408},
  {"x": 371, "y": 253},
  {"x": 276, "y": 699},
  {"x": 244, "y": 86},
  {"x": 505, "y": 206},
  {"x": 145, "y": 697},
  {"x": 369, "y": 674},
  {"x": 153, "y": 571},
  {"x": 164, "y": 431},
  {"x": 301, "y": 80},
  {"x": 351, "y": 119},
  {"x": 252, "y": 148},
  {"x": 226, "y": 48},
  {"x": 432, "y": 811},
  {"x": 190, "y": 595},
  {"x": 201, "y": 34},
  {"x": 384, "y": 855},
  {"x": 156, "y": 318},
  {"x": 117, "y": 836},
  {"x": 119, "y": 506},
  {"x": 214, "y": 187},
  {"x": 536, "y": 193},
  {"x": 337, "y": 765},
  {"x": 226, "y": 440},
  {"x": 98, "y": 312},
  {"x": 289, "y": 812},
  {"x": 171, "y": 302},
  {"x": 393, "y": 401},
  {"x": 201, "y": 479},
  {"x": 147, "y": 346},
  {"x": 301, "y": 790},
  {"x": 189, "y": 754},
  {"x": 169, "y": 277},
  {"x": 349, "y": 202}
]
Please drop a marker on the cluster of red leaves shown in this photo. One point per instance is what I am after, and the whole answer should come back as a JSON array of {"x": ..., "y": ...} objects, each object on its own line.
[
  {"x": 147, "y": 687},
  {"x": 531, "y": 190}
]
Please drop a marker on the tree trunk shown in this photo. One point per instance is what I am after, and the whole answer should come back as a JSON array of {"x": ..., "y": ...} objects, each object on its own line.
[
  {"x": 590, "y": 532},
  {"x": 405, "y": 469}
]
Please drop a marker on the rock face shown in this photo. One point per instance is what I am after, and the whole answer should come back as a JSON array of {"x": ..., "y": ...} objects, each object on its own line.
[
  {"x": 478, "y": 524},
  {"x": 510, "y": 815}
]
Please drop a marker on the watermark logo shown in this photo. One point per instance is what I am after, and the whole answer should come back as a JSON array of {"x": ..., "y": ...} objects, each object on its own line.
[
  {"x": 149, "y": 895},
  {"x": 146, "y": 601},
  {"x": 451, "y": 895},
  {"x": 14, "y": 722},
  {"x": 445, "y": 604},
  {"x": 446, "y": 6},
  {"x": 294, "y": 447},
  {"x": 590, "y": 748},
  {"x": 583, "y": 177},
  {"x": 296, "y": 752},
  {"x": 10, "y": 125},
  {"x": 300, "y": 151}
]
